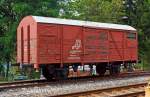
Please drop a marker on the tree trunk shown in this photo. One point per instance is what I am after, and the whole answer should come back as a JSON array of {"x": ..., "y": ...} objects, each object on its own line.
[{"x": 7, "y": 70}]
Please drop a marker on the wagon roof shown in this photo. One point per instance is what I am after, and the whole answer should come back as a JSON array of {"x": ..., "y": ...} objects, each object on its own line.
[{"x": 41, "y": 19}]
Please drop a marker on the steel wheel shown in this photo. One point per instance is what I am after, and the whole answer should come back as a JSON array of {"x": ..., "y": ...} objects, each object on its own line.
[{"x": 101, "y": 69}]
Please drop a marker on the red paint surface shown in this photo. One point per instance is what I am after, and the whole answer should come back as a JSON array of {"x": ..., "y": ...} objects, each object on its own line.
[{"x": 55, "y": 43}]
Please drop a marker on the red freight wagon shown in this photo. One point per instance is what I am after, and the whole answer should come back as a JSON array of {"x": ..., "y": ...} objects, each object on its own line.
[{"x": 54, "y": 44}]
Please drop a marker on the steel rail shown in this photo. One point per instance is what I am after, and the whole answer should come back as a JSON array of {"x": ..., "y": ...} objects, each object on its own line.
[
  {"x": 25, "y": 83},
  {"x": 30, "y": 83},
  {"x": 107, "y": 90}
]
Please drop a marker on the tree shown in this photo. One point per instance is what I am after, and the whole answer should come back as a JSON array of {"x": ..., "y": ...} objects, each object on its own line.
[
  {"x": 11, "y": 12},
  {"x": 93, "y": 10},
  {"x": 138, "y": 14}
]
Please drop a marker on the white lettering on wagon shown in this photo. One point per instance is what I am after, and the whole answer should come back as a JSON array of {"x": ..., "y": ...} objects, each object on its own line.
[{"x": 75, "y": 51}]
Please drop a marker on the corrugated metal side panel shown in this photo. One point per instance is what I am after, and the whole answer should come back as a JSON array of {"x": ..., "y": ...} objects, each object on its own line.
[
  {"x": 25, "y": 44},
  {"x": 116, "y": 43},
  {"x": 99, "y": 45},
  {"x": 26, "y": 41},
  {"x": 72, "y": 44},
  {"x": 48, "y": 44},
  {"x": 96, "y": 45},
  {"x": 33, "y": 43},
  {"x": 130, "y": 48},
  {"x": 19, "y": 45}
]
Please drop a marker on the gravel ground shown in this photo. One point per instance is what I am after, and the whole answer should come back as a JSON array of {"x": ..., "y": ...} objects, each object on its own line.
[{"x": 70, "y": 87}]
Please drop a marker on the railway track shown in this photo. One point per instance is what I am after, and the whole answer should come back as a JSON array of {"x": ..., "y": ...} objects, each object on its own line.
[
  {"x": 50, "y": 85},
  {"x": 122, "y": 91},
  {"x": 19, "y": 84},
  {"x": 30, "y": 83}
]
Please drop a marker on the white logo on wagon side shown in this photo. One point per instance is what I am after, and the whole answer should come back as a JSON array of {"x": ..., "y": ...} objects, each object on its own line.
[
  {"x": 77, "y": 44},
  {"x": 75, "y": 50}
]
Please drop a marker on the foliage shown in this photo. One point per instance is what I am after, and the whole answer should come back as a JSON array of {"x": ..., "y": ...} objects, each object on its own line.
[
  {"x": 93, "y": 10},
  {"x": 137, "y": 13},
  {"x": 140, "y": 20},
  {"x": 11, "y": 12},
  {"x": 112, "y": 11}
]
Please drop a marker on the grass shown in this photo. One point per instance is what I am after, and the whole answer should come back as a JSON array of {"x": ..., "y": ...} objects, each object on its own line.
[{"x": 2, "y": 79}]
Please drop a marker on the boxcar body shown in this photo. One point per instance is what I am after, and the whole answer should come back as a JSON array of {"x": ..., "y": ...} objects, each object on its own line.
[{"x": 45, "y": 40}]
